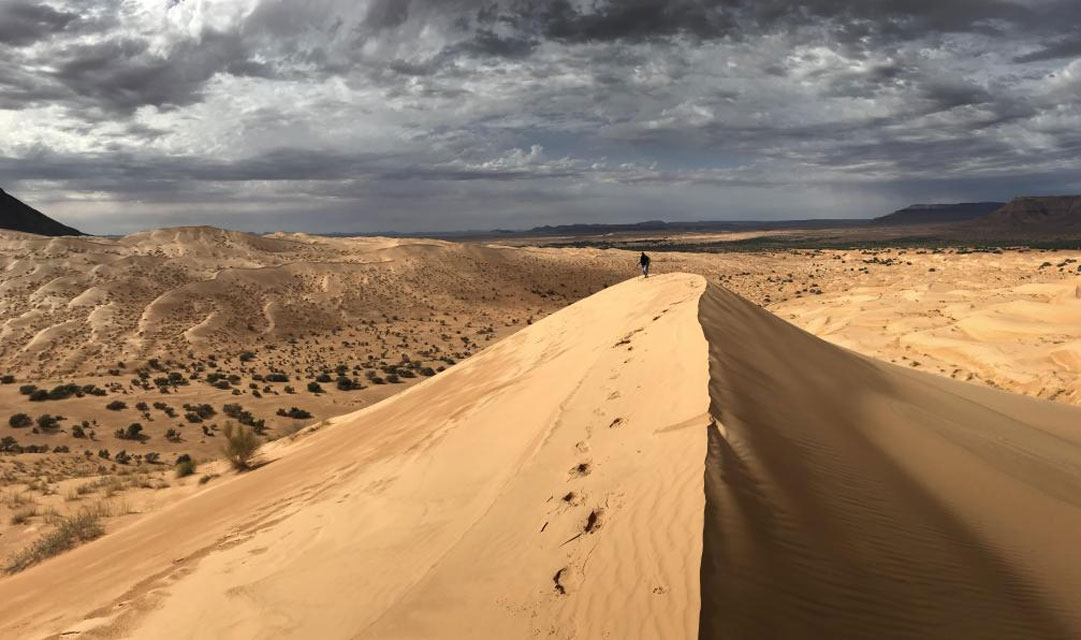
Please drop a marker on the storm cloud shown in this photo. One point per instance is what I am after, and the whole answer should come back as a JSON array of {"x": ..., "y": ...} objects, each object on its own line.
[{"x": 345, "y": 115}]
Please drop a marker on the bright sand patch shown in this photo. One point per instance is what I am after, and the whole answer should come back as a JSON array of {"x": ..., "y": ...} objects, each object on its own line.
[{"x": 567, "y": 457}]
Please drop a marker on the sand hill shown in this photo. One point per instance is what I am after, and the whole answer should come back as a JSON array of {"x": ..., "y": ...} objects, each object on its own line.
[
  {"x": 18, "y": 216},
  {"x": 77, "y": 306},
  {"x": 661, "y": 459},
  {"x": 289, "y": 328},
  {"x": 179, "y": 331}
]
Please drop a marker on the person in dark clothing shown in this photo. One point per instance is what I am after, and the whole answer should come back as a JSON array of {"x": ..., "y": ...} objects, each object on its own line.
[{"x": 643, "y": 262}]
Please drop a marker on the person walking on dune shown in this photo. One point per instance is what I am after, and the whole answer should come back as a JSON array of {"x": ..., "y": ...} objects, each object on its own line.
[{"x": 643, "y": 262}]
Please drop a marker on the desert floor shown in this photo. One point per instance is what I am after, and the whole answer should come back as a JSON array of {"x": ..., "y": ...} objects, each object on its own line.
[{"x": 190, "y": 328}]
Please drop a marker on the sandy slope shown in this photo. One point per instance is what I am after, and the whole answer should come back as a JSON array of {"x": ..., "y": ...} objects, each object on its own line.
[
  {"x": 447, "y": 511},
  {"x": 558, "y": 485}
]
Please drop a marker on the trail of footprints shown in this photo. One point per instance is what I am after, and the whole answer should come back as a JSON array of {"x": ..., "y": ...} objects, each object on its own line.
[
  {"x": 573, "y": 498},
  {"x": 569, "y": 502}
]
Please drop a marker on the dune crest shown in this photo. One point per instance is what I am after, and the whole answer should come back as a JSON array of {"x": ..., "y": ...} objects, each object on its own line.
[{"x": 660, "y": 460}]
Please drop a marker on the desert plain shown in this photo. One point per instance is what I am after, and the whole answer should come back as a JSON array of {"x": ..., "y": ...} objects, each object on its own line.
[{"x": 484, "y": 439}]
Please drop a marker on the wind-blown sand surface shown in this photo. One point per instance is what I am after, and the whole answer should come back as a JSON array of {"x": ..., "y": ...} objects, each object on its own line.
[
  {"x": 558, "y": 485},
  {"x": 1012, "y": 321}
]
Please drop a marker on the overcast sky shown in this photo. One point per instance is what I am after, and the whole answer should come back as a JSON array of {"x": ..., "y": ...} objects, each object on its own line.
[{"x": 354, "y": 115}]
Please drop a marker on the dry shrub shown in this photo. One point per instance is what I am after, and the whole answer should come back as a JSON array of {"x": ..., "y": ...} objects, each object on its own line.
[
  {"x": 241, "y": 444},
  {"x": 69, "y": 533}
]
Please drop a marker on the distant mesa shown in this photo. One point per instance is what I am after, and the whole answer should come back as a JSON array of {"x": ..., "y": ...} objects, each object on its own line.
[
  {"x": 583, "y": 229},
  {"x": 18, "y": 216},
  {"x": 939, "y": 213},
  {"x": 1043, "y": 213}
]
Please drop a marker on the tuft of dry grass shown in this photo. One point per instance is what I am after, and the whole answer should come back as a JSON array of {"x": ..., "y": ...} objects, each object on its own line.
[
  {"x": 17, "y": 499},
  {"x": 241, "y": 444},
  {"x": 68, "y": 533},
  {"x": 22, "y": 515}
]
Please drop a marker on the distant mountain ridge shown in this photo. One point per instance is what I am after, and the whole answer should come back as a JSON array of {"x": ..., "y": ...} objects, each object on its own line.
[
  {"x": 703, "y": 226},
  {"x": 18, "y": 216},
  {"x": 939, "y": 213},
  {"x": 1052, "y": 214}
]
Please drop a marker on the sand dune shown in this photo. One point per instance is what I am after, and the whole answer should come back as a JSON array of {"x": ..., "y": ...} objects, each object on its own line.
[
  {"x": 271, "y": 323},
  {"x": 567, "y": 482},
  {"x": 852, "y": 498},
  {"x": 201, "y": 290}
]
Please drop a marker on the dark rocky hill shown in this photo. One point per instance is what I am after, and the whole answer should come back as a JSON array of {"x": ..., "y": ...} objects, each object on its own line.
[
  {"x": 939, "y": 213},
  {"x": 17, "y": 216},
  {"x": 1042, "y": 214}
]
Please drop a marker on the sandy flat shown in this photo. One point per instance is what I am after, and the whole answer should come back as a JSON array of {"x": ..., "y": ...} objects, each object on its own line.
[{"x": 974, "y": 317}]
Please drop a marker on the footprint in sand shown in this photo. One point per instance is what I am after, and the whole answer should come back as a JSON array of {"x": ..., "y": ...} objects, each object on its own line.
[
  {"x": 580, "y": 470},
  {"x": 557, "y": 579}
]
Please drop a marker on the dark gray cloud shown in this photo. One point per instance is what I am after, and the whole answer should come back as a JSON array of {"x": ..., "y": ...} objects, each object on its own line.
[
  {"x": 1064, "y": 48},
  {"x": 122, "y": 73},
  {"x": 849, "y": 19},
  {"x": 141, "y": 113},
  {"x": 23, "y": 23}
]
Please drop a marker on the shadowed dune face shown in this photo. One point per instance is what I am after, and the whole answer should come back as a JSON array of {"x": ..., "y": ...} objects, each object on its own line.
[
  {"x": 851, "y": 498},
  {"x": 567, "y": 482}
]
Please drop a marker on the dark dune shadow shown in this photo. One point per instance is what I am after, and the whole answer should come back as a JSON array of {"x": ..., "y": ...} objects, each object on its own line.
[{"x": 815, "y": 527}]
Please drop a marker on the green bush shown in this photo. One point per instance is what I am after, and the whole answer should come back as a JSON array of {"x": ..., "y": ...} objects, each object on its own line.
[
  {"x": 348, "y": 384},
  {"x": 185, "y": 466},
  {"x": 133, "y": 432},
  {"x": 47, "y": 422},
  {"x": 20, "y": 420}
]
